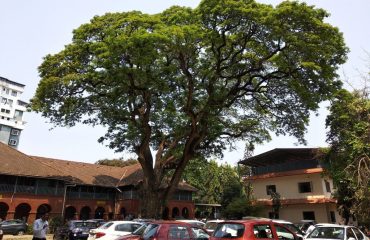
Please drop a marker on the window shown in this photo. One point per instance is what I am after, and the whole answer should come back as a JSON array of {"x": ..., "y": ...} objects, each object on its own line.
[
  {"x": 10, "y": 102},
  {"x": 305, "y": 187},
  {"x": 15, "y": 132},
  {"x": 284, "y": 233},
  {"x": 124, "y": 228},
  {"x": 14, "y": 93},
  {"x": 262, "y": 231},
  {"x": 18, "y": 115},
  {"x": 199, "y": 233},
  {"x": 332, "y": 217},
  {"x": 12, "y": 142},
  {"x": 230, "y": 230},
  {"x": 310, "y": 215},
  {"x": 350, "y": 234},
  {"x": 178, "y": 232},
  {"x": 358, "y": 234},
  {"x": 327, "y": 186},
  {"x": 270, "y": 188},
  {"x": 4, "y": 100}
]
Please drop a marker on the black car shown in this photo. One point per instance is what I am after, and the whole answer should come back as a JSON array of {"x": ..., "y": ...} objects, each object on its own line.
[
  {"x": 76, "y": 229},
  {"x": 13, "y": 226}
]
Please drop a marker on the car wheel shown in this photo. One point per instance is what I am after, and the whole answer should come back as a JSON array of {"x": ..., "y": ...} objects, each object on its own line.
[{"x": 20, "y": 232}]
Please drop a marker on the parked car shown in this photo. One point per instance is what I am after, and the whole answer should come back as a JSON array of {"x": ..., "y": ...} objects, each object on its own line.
[
  {"x": 13, "y": 226},
  {"x": 135, "y": 235},
  {"x": 336, "y": 231},
  {"x": 211, "y": 225},
  {"x": 171, "y": 230},
  {"x": 1, "y": 234},
  {"x": 192, "y": 222},
  {"x": 303, "y": 225},
  {"x": 76, "y": 230},
  {"x": 291, "y": 226},
  {"x": 113, "y": 229},
  {"x": 252, "y": 229}
]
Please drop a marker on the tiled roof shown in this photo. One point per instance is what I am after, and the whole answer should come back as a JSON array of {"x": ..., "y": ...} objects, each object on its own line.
[{"x": 13, "y": 162}]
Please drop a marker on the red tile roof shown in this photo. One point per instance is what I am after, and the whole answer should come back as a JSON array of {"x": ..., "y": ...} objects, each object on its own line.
[{"x": 15, "y": 163}]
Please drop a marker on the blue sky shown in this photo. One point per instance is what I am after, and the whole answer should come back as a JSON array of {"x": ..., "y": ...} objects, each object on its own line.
[{"x": 31, "y": 29}]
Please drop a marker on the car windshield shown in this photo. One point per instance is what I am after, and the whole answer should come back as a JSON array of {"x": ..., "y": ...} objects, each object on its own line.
[
  {"x": 327, "y": 233},
  {"x": 106, "y": 225},
  {"x": 293, "y": 228},
  {"x": 229, "y": 230},
  {"x": 140, "y": 230},
  {"x": 150, "y": 231}
]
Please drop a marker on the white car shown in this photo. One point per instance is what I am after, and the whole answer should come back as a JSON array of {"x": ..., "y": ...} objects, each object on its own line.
[
  {"x": 113, "y": 229},
  {"x": 335, "y": 231},
  {"x": 211, "y": 225}
]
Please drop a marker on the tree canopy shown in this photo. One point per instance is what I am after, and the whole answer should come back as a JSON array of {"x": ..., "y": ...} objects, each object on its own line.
[
  {"x": 349, "y": 139},
  {"x": 116, "y": 162},
  {"x": 191, "y": 82}
]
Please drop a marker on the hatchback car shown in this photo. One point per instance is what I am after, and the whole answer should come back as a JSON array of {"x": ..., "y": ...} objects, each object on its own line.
[
  {"x": 13, "y": 226},
  {"x": 173, "y": 230},
  {"x": 113, "y": 229},
  {"x": 252, "y": 230},
  {"x": 335, "y": 231}
]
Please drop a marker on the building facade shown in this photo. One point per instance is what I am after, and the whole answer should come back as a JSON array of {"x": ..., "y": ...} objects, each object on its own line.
[
  {"x": 11, "y": 112},
  {"x": 294, "y": 178},
  {"x": 32, "y": 185}
]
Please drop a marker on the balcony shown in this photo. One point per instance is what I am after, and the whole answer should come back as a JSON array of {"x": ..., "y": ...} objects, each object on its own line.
[{"x": 284, "y": 167}]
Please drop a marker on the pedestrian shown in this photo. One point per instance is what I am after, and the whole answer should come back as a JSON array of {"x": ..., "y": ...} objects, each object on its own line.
[{"x": 41, "y": 227}]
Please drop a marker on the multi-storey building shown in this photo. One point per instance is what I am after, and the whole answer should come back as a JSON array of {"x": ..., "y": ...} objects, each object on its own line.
[
  {"x": 296, "y": 174},
  {"x": 11, "y": 112},
  {"x": 32, "y": 185}
]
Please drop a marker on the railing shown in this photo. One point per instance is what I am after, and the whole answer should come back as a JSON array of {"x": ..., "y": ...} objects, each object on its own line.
[{"x": 289, "y": 166}]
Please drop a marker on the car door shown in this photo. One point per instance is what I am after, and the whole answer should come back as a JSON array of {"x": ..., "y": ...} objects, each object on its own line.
[{"x": 8, "y": 226}]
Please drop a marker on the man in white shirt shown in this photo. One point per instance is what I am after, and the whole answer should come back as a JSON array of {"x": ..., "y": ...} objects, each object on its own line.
[{"x": 41, "y": 227}]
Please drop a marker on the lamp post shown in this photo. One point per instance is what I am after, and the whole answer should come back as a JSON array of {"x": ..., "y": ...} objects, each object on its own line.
[{"x": 64, "y": 197}]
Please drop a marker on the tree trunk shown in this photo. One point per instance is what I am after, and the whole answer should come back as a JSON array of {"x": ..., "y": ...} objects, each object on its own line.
[{"x": 151, "y": 199}]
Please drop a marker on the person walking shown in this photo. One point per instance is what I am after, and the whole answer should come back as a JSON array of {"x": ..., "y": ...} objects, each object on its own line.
[{"x": 41, "y": 227}]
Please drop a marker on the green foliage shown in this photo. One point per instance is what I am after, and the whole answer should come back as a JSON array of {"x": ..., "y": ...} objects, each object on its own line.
[
  {"x": 55, "y": 222},
  {"x": 348, "y": 157},
  {"x": 218, "y": 184},
  {"x": 239, "y": 207},
  {"x": 117, "y": 162},
  {"x": 191, "y": 82}
]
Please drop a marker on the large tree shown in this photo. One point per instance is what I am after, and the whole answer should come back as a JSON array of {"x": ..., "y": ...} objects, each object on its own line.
[
  {"x": 349, "y": 153},
  {"x": 191, "y": 82}
]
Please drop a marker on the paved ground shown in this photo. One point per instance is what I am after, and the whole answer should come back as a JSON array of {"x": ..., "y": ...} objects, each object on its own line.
[{"x": 24, "y": 237}]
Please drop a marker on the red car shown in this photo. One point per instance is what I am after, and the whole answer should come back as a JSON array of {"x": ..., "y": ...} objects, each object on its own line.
[
  {"x": 170, "y": 230},
  {"x": 252, "y": 230}
]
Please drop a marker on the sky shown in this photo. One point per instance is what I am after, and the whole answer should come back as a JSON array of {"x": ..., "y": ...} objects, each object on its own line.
[{"x": 31, "y": 29}]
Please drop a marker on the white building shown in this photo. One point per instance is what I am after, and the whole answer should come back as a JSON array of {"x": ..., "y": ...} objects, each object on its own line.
[
  {"x": 296, "y": 174},
  {"x": 11, "y": 112}
]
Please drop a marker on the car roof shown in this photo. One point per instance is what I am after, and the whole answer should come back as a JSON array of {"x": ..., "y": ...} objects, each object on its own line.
[
  {"x": 330, "y": 225},
  {"x": 281, "y": 221},
  {"x": 248, "y": 221}
]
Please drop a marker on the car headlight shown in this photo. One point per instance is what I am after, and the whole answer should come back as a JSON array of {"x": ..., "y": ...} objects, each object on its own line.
[{"x": 76, "y": 230}]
